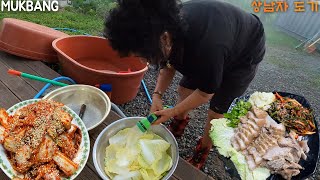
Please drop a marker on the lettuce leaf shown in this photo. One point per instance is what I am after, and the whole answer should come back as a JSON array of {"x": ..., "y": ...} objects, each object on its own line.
[
  {"x": 149, "y": 174},
  {"x": 241, "y": 165},
  {"x": 260, "y": 173},
  {"x": 221, "y": 136},
  {"x": 243, "y": 169},
  {"x": 133, "y": 175},
  {"x": 163, "y": 165},
  {"x": 151, "y": 150}
]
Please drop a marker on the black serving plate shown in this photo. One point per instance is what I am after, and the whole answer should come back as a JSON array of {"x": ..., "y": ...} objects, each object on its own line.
[{"x": 309, "y": 165}]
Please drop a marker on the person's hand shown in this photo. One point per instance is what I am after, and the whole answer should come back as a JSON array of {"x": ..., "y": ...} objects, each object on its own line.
[
  {"x": 165, "y": 115},
  {"x": 156, "y": 104}
]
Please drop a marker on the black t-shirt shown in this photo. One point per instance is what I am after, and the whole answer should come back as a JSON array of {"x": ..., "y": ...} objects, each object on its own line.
[{"x": 219, "y": 36}]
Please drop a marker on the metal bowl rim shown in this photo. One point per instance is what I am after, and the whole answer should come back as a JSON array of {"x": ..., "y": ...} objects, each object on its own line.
[{"x": 106, "y": 99}]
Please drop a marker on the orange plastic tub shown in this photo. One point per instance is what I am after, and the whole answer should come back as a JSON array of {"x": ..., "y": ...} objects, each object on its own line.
[
  {"x": 90, "y": 60},
  {"x": 29, "y": 40}
]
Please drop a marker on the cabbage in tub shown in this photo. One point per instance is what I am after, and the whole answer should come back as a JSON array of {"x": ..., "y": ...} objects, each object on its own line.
[{"x": 136, "y": 155}]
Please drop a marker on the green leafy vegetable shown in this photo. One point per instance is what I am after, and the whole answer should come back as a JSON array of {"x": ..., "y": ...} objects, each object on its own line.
[
  {"x": 239, "y": 110},
  {"x": 135, "y": 155},
  {"x": 221, "y": 135},
  {"x": 240, "y": 163},
  {"x": 151, "y": 150},
  {"x": 261, "y": 173},
  {"x": 242, "y": 167}
]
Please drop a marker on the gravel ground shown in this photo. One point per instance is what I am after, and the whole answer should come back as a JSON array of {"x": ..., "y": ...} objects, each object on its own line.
[{"x": 283, "y": 69}]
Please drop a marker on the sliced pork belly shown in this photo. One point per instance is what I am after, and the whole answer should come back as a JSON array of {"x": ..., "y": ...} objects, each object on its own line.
[
  {"x": 286, "y": 169},
  {"x": 275, "y": 152},
  {"x": 250, "y": 160},
  {"x": 292, "y": 165},
  {"x": 258, "y": 121},
  {"x": 276, "y": 164},
  {"x": 259, "y": 113},
  {"x": 250, "y": 129},
  {"x": 304, "y": 156},
  {"x": 262, "y": 149},
  {"x": 278, "y": 130},
  {"x": 260, "y": 146},
  {"x": 247, "y": 133},
  {"x": 285, "y": 142},
  {"x": 270, "y": 122},
  {"x": 256, "y": 156},
  {"x": 234, "y": 144},
  {"x": 283, "y": 159},
  {"x": 253, "y": 125},
  {"x": 289, "y": 142},
  {"x": 243, "y": 119},
  {"x": 288, "y": 173},
  {"x": 240, "y": 142},
  {"x": 304, "y": 146},
  {"x": 264, "y": 143},
  {"x": 243, "y": 137}
]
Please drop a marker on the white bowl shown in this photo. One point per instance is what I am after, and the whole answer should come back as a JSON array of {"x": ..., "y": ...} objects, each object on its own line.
[{"x": 82, "y": 154}]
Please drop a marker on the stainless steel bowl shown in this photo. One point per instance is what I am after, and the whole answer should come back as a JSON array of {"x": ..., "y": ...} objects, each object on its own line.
[
  {"x": 97, "y": 102},
  {"x": 99, "y": 148}
]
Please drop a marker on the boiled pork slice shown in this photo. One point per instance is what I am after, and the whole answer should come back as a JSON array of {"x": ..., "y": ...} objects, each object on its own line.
[
  {"x": 304, "y": 146},
  {"x": 284, "y": 158},
  {"x": 276, "y": 164},
  {"x": 286, "y": 169},
  {"x": 288, "y": 173},
  {"x": 259, "y": 113},
  {"x": 251, "y": 163},
  {"x": 259, "y": 122},
  {"x": 297, "y": 150},
  {"x": 249, "y": 129},
  {"x": 264, "y": 143},
  {"x": 275, "y": 152},
  {"x": 277, "y": 130}
]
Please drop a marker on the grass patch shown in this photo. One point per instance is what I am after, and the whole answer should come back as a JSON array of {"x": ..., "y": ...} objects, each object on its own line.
[
  {"x": 86, "y": 23},
  {"x": 276, "y": 37}
]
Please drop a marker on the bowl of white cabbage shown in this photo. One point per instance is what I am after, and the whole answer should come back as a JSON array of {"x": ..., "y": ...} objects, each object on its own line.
[{"x": 122, "y": 151}]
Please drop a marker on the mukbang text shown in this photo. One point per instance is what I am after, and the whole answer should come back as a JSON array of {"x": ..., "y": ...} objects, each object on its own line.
[{"x": 29, "y": 5}]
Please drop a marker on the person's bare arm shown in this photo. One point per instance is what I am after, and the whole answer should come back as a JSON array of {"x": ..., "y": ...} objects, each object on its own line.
[
  {"x": 164, "y": 79},
  {"x": 196, "y": 99}
]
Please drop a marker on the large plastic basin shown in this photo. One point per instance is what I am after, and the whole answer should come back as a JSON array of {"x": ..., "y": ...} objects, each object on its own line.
[
  {"x": 91, "y": 60},
  {"x": 29, "y": 40}
]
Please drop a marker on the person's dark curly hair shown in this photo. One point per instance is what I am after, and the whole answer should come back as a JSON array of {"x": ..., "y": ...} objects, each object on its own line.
[{"x": 135, "y": 26}]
